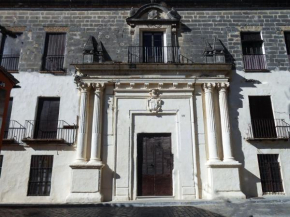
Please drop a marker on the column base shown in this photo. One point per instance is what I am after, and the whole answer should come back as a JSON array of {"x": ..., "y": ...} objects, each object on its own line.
[
  {"x": 86, "y": 183},
  {"x": 224, "y": 180}
]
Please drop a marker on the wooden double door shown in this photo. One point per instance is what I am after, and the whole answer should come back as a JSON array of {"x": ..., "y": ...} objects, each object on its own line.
[{"x": 154, "y": 165}]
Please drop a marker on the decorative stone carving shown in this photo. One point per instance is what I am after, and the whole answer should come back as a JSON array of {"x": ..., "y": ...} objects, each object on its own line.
[
  {"x": 154, "y": 103},
  {"x": 153, "y": 14},
  {"x": 174, "y": 14}
]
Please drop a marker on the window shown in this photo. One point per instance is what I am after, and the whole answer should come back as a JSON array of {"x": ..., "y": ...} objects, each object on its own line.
[
  {"x": 270, "y": 173},
  {"x": 7, "y": 124},
  {"x": 287, "y": 40},
  {"x": 1, "y": 162},
  {"x": 262, "y": 118},
  {"x": 53, "y": 58},
  {"x": 253, "y": 56},
  {"x": 40, "y": 175},
  {"x": 10, "y": 51},
  {"x": 153, "y": 49},
  {"x": 46, "y": 123}
]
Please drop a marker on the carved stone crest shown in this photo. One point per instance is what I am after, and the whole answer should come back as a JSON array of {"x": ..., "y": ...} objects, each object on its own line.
[
  {"x": 154, "y": 103},
  {"x": 153, "y": 14}
]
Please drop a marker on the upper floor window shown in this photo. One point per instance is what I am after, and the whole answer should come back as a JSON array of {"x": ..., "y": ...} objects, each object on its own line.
[
  {"x": 40, "y": 175},
  {"x": 10, "y": 52},
  {"x": 53, "y": 58},
  {"x": 253, "y": 56},
  {"x": 1, "y": 162},
  {"x": 287, "y": 40}
]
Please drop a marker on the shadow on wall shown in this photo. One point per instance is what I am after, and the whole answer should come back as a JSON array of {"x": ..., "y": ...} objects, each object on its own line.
[{"x": 238, "y": 83}]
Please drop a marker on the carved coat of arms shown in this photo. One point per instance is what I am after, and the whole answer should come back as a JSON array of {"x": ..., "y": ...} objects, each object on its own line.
[{"x": 154, "y": 103}]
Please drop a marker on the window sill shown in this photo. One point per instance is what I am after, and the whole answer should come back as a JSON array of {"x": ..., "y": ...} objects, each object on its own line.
[
  {"x": 9, "y": 141},
  {"x": 267, "y": 139},
  {"x": 13, "y": 72},
  {"x": 256, "y": 70},
  {"x": 43, "y": 141},
  {"x": 53, "y": 72}
]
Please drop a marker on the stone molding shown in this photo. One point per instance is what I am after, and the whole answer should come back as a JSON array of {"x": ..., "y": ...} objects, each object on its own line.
[
  {"x": 56, "y": 29},
  {"x": 16, "y": 28}
]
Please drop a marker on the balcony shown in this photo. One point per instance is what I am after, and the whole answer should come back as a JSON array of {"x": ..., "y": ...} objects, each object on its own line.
[
  {"x": 53, "y": 63},
  {"x": 14, "y": 133},
  {"x": 10, "y": 62},
  {"x": 268, "y": 129},
  {"x": 255, "y": 62},
  {"x": 50, "y": 132},
  {"x": 165, "y": 54}
]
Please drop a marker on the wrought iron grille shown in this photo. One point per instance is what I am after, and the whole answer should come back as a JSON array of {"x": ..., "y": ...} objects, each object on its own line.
[
  {"x": 164, "y": 54},
  {"x": 40, "y": 175},
  {"x": 1, "y": 162},
  {"x": 270, "y": 173},
  {"x": 51, "y": 130},
  {"x": 53, "y": 63},
  {"x": 255, "y": 62},
  {"x": 268, "y": 128},
  {"x": 15, "y": 131},
  {"x": 10, "y": 62}
]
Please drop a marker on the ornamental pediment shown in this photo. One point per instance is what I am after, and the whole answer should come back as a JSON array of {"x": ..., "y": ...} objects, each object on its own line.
[{"x": 152, "y": 13}]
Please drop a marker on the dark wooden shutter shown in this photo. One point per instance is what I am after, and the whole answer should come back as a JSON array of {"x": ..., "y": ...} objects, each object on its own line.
[
  {"x": 54, "y": 51},
  {"x": 10, "y": 52},
  {"x": 7, "y": 124},
  {"x": 1, "y": 162},
  {"x": 153, "y": 48},
  {"x": 46, "y": 123},
  {"x": 262, "y": 117},
  {"x": 40, "y": 175},
  {"x": 270, "y": 173}
]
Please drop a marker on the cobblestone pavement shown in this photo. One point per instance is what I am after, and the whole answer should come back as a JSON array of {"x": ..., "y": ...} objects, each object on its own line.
[{"x": 243, "y": 208}]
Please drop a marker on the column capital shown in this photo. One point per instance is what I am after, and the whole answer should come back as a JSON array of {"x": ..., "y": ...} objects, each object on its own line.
[
  {"x": 223, "y": 86},
  {"x": 208, "y": 87},
  {"x": 98, "y": 87},
  {"x": 84, "y": 87}
]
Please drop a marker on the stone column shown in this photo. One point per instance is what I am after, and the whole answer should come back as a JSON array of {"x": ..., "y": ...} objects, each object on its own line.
[
  {"x": 225, "y": 122},
  {"x": 97, "y": 123},
  {"x": 210, "y": 120},
  {"x": 84, "y": 88}
]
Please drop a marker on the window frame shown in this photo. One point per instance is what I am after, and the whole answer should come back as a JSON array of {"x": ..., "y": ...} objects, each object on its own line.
[{"x": 46, "y": 190}]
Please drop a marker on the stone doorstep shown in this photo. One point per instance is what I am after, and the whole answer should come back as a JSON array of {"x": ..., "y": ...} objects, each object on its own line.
[{"x": 155, "y": 203}]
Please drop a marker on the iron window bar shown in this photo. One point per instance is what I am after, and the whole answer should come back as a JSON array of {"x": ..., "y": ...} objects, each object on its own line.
[
  {"x": 14, "y": 133},
  {"x": 10, "y": 61},
  {"x": 255, "y": 62},
  {"x": 49, "y": 130},
  {"x": 261, "y": 129},
  {"x": 53, "y": 63}
]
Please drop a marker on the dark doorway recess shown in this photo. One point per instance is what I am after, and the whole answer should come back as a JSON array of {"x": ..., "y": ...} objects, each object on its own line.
[
  {"x": 153, "y": 49},
  {"x": 262, "y": 117},
  {"x": 155, "y": 164},
  {"x": 46, "y": 123}
]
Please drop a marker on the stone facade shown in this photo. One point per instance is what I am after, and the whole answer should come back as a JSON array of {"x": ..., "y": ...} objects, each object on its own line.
[{"x": 205, "y": 107}]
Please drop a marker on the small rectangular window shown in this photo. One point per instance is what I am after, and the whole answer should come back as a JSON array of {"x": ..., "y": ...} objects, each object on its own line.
[
  {"x": 1, "y": 162},
  {"x": 253, "y": 56},
  {"x": 40, "y": 175},
  {"x": 270, "y": 173},
  {"x": 53, "y": 58},
  {"x": 10, "y": 51}
]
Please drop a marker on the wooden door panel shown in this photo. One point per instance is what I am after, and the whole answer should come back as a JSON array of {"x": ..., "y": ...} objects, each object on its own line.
[{"x": 155, "y": 164}]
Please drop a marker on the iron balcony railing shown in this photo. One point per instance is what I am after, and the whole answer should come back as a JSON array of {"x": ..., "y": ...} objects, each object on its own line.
[
  {"x": 164, "y": 54},
  {"x": 51, "y": 130},
  {"x": 255, "y": 62},
  {"x": 112, "y": 3},
  {"x": 10, "y": 62},
  {"x": 15, "y": 132},
  {"x": 53, "y": 63},
  {"x": 268, "y": 129}
]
